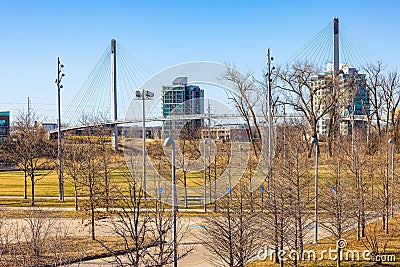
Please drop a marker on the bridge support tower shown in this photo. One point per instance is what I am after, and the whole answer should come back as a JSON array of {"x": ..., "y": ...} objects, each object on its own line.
[{"x": 114, "y": 106}]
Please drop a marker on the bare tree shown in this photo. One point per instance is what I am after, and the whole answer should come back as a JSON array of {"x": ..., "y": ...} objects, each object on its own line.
[
  {"x": 31, "y": 150},
  {"x": 376, "y": 241},
  {"x": 108, "y": 162},
  {"x": 287, "y": 219},
  {"x": 336, "y": 203},
  {"x": 246, "y": 100},
  {"x": 391, "y": 98},
  {"x": 160, "y": 233},
  {"x": 292, "y": 185},
  {"x": 36, "y": 240},
  {"x": 8, "y": 154},
  {"x": 233, "y": 237},
  {"x": 4, "y": 237},
  {"x": 131, "y": 225},
  {"x": 295, "y": 83},
  {"x": 375, "y": 93},
  {"x": 352, "y": 153},
  {"x": 250, "y": 101},
  {"x": 144, "y": 230},
  {"x": 90, "y": 178},
  {"x": 73, "y": 154},
  {"x": 188, "y": 145},
  {"x": 382, "y": 170}
]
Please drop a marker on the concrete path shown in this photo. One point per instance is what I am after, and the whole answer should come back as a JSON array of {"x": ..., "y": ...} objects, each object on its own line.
[{"x": 197, "y": 258}]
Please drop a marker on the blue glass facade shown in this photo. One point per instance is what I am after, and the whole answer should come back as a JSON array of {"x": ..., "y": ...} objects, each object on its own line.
[
  {"x": 354, "y": 100},
  {"x": 181, "y": 99},
  {"x": 4, "y": 124}
]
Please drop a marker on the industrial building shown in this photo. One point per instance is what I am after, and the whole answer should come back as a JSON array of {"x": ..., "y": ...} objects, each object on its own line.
[{"x": 227, "y": 133}]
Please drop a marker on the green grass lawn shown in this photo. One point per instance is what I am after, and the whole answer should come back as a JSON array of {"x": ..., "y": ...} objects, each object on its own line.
[
  {"x": 12, "y": 184},
  {"x": 12, "y": 188}
]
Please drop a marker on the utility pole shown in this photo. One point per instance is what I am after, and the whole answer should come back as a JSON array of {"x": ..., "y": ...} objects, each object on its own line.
[
  {"x": 270, "y": 119},
  {"x": 59, "y": 150}
]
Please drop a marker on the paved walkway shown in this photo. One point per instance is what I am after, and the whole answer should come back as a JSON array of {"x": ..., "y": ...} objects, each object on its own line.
[{"x": 197, "y": 258}]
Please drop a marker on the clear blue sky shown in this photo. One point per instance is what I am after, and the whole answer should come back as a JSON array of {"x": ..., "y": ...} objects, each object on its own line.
[{"x": 165, "y": 33}]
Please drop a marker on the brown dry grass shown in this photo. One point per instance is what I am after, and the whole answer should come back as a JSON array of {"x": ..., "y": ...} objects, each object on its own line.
[
  {"x": 72, "y": 249},
  {"x": 393, "y": 248}
]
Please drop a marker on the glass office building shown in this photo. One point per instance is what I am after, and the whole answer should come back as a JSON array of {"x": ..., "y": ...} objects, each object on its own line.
[
  {"x": 4, "y": 124},
  {"x": 354, "y": 102},
  {"x": 180, "y": 103}
]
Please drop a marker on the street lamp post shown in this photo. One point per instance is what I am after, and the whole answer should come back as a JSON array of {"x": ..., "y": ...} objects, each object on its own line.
[
  {"x": 241, "y": 151},
  {"x": 270, "y": 118},
  {"x": 170, "y": 142},
  {"x": 315, "y": 141},
  {"x": 144, "y": 95},
  {"x": 59, "y": 152},
  {"x": 205, "y": 177},
  {"x": 392, "y": 142}
]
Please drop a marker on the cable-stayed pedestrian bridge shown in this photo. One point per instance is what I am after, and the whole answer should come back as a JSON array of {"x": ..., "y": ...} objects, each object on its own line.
[{"x": 107, "y": 97}]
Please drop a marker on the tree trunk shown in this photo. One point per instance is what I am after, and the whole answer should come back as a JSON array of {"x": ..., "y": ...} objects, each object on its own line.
[
  {"x": 107, "y": 186},
  {"x": 75, "y": 194},
  {"x": 33, "y": 189},
  {"x": 276, "y": 230},
  {"x": 296, "y": 242},
  {"x": 281, "y": 234},
  {"x": 92, "y": 220},
  {"x": 185, "y": 189},
  {"x": 91, "y": 199},
  {"x": 25, "y": 184},
  {"x": 362, "y": 217},
  {"x": 299, "y": 215},
  {"x": 107, "y": 193}
]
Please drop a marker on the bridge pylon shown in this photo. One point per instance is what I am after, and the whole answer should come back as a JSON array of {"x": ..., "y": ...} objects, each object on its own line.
[{"x": 114, "y": 106}]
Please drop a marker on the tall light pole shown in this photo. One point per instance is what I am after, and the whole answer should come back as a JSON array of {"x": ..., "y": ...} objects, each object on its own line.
[
  {"x": 241, "y": 152},
  {"x": 284, "y": 131},
  {"x": 315, "y": 141},
  {"x": 144, "y": 95},
  {"x": 205, "y": 176},
  {"x": 270, "y": 118},
  {"x": 59, "y": 152},
  {"x": 170, "y": 142},
  {"x": 392, "y": 142}
]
